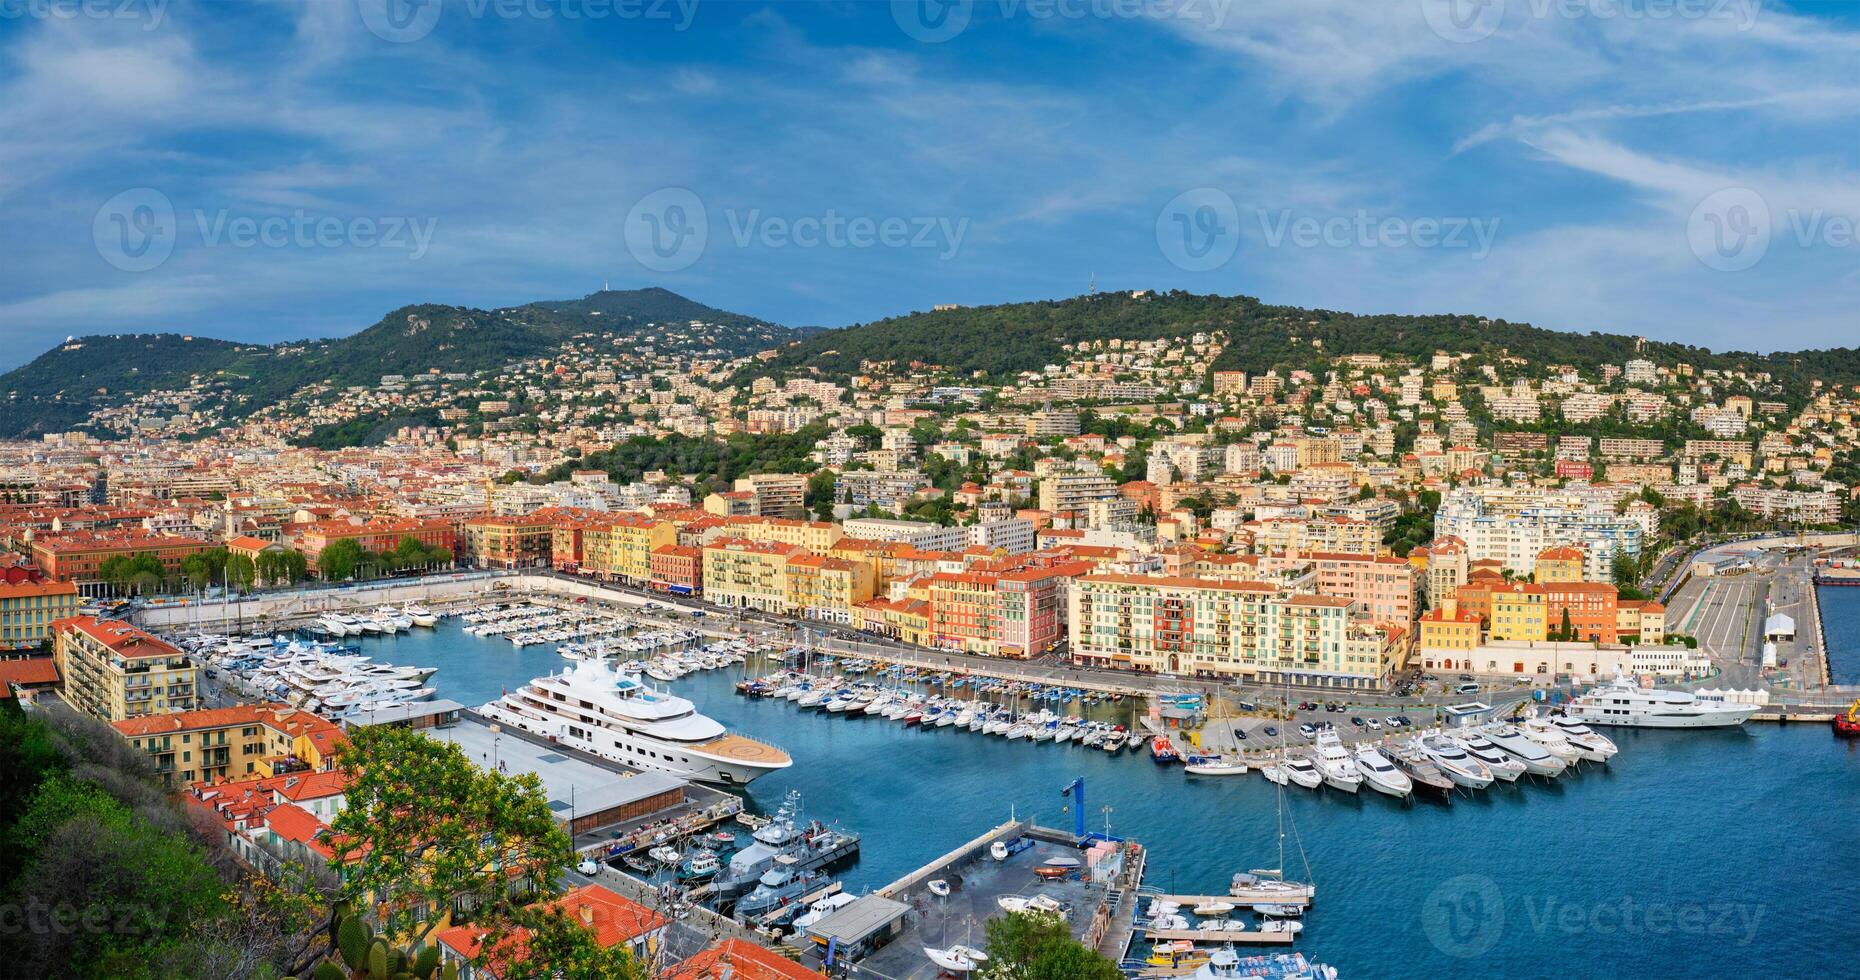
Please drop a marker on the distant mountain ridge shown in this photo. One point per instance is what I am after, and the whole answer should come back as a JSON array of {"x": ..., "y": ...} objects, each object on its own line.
[
  {"x": 59, "y": 389},
  {"x": 1001, "y": 340}
]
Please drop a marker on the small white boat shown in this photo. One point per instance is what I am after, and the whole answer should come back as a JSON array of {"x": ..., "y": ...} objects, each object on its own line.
[
  {"x": 956, "y": 959},
  {"x": 1282, "y": 926},
  {"x": 1209, "y": 910},
  {"x": 998, "y": 850},
  {"x": 938, "y": 887},
  {"x": 1216, "y": 767}
]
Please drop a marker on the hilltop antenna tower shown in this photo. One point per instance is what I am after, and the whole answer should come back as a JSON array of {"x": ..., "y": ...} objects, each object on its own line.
[{"x": 1092, "y": 288}]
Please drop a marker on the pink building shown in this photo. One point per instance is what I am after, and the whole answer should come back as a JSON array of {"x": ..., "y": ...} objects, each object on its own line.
[{"x": 1383, "y": 587}]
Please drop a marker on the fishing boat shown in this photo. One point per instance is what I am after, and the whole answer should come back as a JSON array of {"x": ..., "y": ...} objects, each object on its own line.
[
  {"x": 1162, "y": 751},
  {"x": 703, "y": 865}
]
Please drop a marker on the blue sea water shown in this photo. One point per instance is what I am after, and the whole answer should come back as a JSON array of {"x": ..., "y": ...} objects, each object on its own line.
[
  {"x": 1700, "y": 853},
  {"x": 1840, "y": 621}
]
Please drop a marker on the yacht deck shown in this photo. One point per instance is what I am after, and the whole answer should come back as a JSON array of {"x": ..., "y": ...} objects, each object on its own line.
[{"x": 736, "y": 748}]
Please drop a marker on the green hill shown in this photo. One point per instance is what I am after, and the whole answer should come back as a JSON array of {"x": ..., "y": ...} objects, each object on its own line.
[
  {"x": 1000, "y": 341},
  {"x": 59, "y": 389}
]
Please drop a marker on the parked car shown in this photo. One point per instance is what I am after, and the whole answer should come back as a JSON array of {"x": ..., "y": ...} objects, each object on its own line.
[
  {"x": 1374, "y": 725},
  {"x": 589, "y": 867},
  {"x": 1271, "y": 732},
  {"x": 1307, "y": 731},
  {"x": 1358, "y": 722}
]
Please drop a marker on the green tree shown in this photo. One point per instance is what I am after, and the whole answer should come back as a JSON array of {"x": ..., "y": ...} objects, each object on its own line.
[
  {"x": 240, "y": 572},
  {"x": 404, "y": 857},
  {"x": 339, "y": 559},
  {"x": 1036, "y": 946}
]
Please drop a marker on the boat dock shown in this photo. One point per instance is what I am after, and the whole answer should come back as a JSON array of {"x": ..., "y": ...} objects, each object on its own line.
[
  {"x": 1092, "y": 898},
  {"x": 1238, "y": 937},
  {"x": 1190, "y": 901}
]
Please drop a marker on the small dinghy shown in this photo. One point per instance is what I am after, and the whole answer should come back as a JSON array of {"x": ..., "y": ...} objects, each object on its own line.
[{"x": 938, "y": 887}]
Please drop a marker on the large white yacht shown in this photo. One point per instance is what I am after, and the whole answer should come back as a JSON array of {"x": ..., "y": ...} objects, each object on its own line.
[
  {"x": 597, "y": 709},
  {"x": 1624, "y": 703}
]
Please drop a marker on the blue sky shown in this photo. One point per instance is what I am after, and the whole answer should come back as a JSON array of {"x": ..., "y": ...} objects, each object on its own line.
[{"x": 1682, "y": 169}]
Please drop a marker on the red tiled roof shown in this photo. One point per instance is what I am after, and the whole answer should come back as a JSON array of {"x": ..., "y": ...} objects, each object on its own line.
[
  {"x": 741, "y": 960},
  {"x": 33, "y": 670}
]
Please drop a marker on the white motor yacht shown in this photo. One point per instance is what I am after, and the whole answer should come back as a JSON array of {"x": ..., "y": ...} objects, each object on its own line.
[
  {"x": 1601, "y": 747},
  {"x": 1535, "y": 757},
  {"x": 1555, "y": 742},
  {"x": 1334, "y": 763},
  {"x": 1481, "y": 749},
  {"x": 597, "y": 709},
  {"x": 1621, "y": 702},
  {"x": 1452, "y": 758},
  {"x": 1381, "y": 774},
  {"x": 1294, "y": 769}
]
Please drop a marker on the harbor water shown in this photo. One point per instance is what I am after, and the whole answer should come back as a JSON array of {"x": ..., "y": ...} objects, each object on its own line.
[
  {"x": 1840, "y": 621},
  {"x": 1726, "y": 853}
]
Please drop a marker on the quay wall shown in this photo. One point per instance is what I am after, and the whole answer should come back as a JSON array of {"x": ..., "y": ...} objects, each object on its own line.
[{"x": 961, "y": 855}]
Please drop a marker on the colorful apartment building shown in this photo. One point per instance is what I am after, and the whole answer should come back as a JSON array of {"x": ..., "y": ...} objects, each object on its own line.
[
  {"x": 1587, "y": 607},
  {"x": 113, "y": 671},
  {"x": 748, "y": 574},
  {"x": 78, "y": 556},
  {"x": 1563, "y": 563},
  {"x": 526, "y": 541},
  {"x": 214, "y": 745},
  {"x": 678, "y": 569},
  {"x": 621, "y": 547},
  {"x": 1244, "y": 630},
  {"x": 28, "y": 610},
  {"x": 820, "y": 587},
  {"x": 378, "y": 535},
  {"x": 1519, "y": 612},
  {"x": 1385, "y": 588}
]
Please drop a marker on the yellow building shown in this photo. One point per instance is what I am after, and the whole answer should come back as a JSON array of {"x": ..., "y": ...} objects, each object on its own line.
[
  {"x": 214, "y": 745},
  {"x": 818, "y": 537},
  {"x": 1560, "y": 564},
  {"x": 748, "y": 574},
  {"x": 621, "y": 547},
  {"x": 1519, "y": 612},
  {"x": 113, "y": 671},
  {"x": 901, "y": 619},
  {"x": 827, "y": 588},
  {"x": 28, "y": 609},
  {"x": 1644, "y": 619},
  {"x": 1448, "y": 629}
]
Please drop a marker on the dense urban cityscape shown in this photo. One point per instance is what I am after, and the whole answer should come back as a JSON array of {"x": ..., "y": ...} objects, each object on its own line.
[{"x": 628, "y": 636}]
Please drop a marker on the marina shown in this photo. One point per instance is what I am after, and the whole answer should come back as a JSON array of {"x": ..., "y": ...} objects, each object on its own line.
[{"x": 915, "y": 793}]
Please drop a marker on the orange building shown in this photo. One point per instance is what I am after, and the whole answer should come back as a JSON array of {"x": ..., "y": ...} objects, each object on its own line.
[
  {"x": 76, "y": 556},
  {"x": 678, "y": 569},
  {"x": 1590, "y": 607}
]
